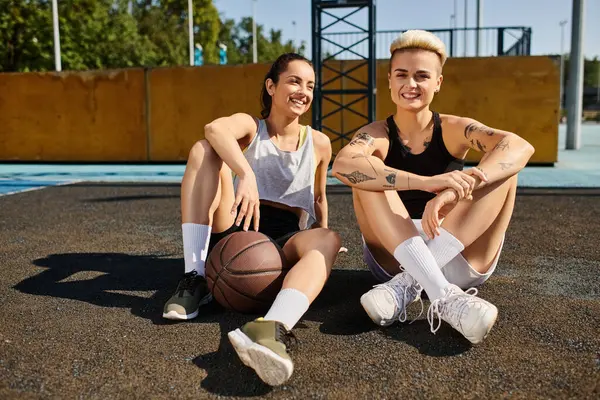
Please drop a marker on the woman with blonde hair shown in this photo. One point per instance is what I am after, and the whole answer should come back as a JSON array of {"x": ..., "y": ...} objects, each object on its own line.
[{"x": 426, "y": 223}]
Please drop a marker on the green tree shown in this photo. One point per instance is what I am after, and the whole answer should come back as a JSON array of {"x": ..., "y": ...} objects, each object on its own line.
[
  {"x": 165, "y": 24},
  {"x": 590, "y": 71},
  {"x": 238, "y": 39},
  {"x": 25, "y": 36},
  {"x": 99, "y": 34}
]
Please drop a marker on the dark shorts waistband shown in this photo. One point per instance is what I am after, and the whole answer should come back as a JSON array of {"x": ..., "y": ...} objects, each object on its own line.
[{"x": 278, "y": 224}]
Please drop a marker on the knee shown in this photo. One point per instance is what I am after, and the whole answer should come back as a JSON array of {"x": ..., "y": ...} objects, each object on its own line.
[
  {"x": 331, "y": 237},
  {"x": 329, "y": 240},
  {"x": 201, "y": 152},
  {"x": 335, "y": 239}
]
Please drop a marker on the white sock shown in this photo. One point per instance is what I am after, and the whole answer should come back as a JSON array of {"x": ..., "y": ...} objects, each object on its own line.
[
  {"x": 289, "y": 306},
  {"x": 195, "y": 246},
  {"x": 444, "y": 247},
  {"x": 418, "y": 261}
]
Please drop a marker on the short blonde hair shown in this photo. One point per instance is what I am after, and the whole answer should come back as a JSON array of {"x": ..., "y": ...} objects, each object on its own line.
[{"x": 421, "y": 40}]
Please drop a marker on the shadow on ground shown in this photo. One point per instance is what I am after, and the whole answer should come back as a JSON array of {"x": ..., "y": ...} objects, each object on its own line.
[{"x": 124, "y": 280}]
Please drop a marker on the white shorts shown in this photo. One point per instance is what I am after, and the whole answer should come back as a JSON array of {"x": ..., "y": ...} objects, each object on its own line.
[{"x": 458, "y": 271}]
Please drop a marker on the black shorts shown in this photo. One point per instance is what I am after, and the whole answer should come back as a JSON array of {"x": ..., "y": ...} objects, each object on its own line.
[{"x": 280, "y": 225}]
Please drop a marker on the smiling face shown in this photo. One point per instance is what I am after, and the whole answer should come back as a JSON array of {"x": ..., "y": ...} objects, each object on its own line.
[
  {"x": 292, "y": 94},
  {"x": 414, "y": 78}
]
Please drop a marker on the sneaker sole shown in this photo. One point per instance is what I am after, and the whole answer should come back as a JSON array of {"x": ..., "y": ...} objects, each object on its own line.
[
  {"x": 270, "y": 367},
  {"x": 174, "y": 315},
  {"x": 366, "y": 308}
]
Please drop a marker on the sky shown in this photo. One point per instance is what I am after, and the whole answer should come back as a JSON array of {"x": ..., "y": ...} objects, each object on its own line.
[{"x": 543, "y": 16}]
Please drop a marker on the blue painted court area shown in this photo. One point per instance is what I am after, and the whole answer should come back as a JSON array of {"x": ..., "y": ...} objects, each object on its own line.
[
  {"x": 574, "y": 169},
  {"x": 16, "y": 178}
]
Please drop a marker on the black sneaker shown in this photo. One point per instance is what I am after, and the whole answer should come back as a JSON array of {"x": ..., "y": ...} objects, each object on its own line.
[{"x": 192, "y": 292}]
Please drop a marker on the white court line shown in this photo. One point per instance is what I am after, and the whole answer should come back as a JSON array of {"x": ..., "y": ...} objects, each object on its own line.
[{"x": 37, "y": 187}]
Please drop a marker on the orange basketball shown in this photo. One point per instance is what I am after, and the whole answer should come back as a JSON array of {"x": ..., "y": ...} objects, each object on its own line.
[{"x": 245, "y": 271}]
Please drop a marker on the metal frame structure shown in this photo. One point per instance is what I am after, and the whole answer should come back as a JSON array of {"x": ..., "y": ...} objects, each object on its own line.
[
  {"x": 323, "y": 92},
  {"x": 494, "y": 41}
]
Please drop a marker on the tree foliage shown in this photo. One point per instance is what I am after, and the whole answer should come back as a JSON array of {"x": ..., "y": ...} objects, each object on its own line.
[{"x": 99, "y": 34}]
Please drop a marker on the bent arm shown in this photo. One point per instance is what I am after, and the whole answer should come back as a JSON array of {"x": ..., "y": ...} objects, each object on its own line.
[
  {"x": 505, "y": 152},
  {"x": 323, "y": 146},
  {"x": 225, "y": 135},
  {"x": 356, "y": 166}
]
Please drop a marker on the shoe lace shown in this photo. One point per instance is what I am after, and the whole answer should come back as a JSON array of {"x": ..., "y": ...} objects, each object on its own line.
[
  {"x": 283, "y": 335},
  {"x": 188, "y": 282},
  {"x": 451, "y": 301},
  {"x": 400, "y": 288}
]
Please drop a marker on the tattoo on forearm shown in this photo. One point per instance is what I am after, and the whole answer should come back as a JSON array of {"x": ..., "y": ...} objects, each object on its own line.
[
  {"x": 504, "y": 166},
  {"x": 366, "y": 157},
  {"x": 362, "y": 138},
  {"x": 357, "y": 177},
  {"x": 502, "y": 145},
  {"x": 391, "y": 178},
  {"x": 473, "y": 127},
  {"x": 427, "y": 142}
]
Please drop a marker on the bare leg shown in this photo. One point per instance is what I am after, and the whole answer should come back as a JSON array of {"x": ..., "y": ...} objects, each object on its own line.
[
  {"x": 384, "y": 223},
  {"x": 386, "y": 218},
  {"x": 480, "y": 224},
  {"x": 207, "y": 193},
  {"x": 313, "y": 251},
  {"x": 260, "y": 344},
  {"x": 206, "y": 200}
]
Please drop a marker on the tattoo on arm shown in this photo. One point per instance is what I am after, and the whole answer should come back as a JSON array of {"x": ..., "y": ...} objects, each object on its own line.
[
  {"x": 427, "y": 142},
  {"x": 391, "y": 178},
  {"x": 473, "y": 127},
  {"x": 357, "y": 177},
  {"x": 504, "y": 166},
  {"x": 488, "y": 131},
  {"x": 362, "y": 138},
  {"x": 502, "y": 145},
  {"x": 477, "y": 145},
  {"x": 469, "y": 131}
]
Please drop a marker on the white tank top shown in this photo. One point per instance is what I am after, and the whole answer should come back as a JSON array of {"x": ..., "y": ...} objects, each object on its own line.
[{"x": 285, "y": 177}]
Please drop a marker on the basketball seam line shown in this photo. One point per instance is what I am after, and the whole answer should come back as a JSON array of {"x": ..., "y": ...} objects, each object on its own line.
[
  {"x": 256, "y": 272},
  {"x": 266, "y": 302},
  {"x": 239, "y": 252},
  {"x": 224, "y": 268},
  {"x": 221, "y": 261}
]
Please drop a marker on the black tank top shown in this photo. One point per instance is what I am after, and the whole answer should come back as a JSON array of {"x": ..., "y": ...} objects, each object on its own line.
[{"x": 434, "y": 160}]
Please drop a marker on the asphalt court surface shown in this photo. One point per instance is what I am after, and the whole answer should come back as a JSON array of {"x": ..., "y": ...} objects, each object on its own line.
[{"x": 86, "y": 268}]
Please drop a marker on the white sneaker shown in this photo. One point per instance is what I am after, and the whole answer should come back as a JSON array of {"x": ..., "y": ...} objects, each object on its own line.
[
  {"x": 387, "y": 302},
  {"x": 468, "y": 314}
]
